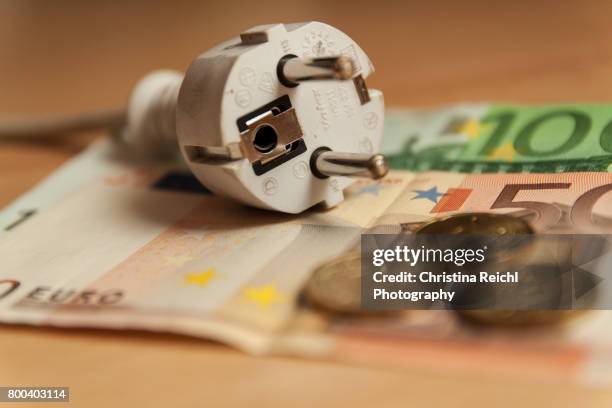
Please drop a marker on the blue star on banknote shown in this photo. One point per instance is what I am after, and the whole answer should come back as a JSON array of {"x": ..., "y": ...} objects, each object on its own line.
[{"x": 432, "y": 194}]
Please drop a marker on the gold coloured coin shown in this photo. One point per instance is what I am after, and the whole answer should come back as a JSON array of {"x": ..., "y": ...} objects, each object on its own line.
[
  {"x": 336, "y": 285},
  {"x": 477, "y": 223},
  {"x": 514, "y": 234},
  {"x": 500, "y": 225}
]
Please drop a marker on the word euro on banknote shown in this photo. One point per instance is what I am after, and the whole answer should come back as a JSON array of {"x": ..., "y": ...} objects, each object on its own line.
[{"x": 490, "y": 138}]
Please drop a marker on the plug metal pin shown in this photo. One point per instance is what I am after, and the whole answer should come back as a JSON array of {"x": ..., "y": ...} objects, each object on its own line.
[
  {"x": 325, "y": 163},
  {"x": 291, "y": 69}
]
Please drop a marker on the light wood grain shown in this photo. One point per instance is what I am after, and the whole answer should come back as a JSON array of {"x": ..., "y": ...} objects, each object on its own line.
[{"x": 70, "y": 56}]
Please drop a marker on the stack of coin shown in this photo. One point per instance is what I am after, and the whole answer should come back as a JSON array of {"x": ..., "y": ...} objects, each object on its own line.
[
  {"x": 539, "y": 288},
  {"x": 336, "y": 285}
]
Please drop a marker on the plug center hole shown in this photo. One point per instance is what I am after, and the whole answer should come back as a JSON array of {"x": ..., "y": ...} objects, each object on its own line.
[{"x": 265, "y": 139}]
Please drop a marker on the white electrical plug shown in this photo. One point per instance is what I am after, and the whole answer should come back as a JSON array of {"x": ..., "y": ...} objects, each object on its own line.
[{"x": 278, "y": 118}]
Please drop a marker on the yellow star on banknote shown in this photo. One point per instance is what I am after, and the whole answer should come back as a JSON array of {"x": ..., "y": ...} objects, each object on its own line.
[
  {"x": 178, "y": 260},
  {"x": 263, "y": 295},
  {"x": 201, "y": 279},
  {"x": 472, "y": 128},
  {"x": 503, "y": 152}
]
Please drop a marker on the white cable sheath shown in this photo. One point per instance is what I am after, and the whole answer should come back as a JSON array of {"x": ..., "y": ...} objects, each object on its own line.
[{"x": 151, "y": 114}]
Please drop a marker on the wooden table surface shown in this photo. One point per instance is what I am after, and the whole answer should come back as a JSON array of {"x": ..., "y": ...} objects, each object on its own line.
[{"x": 71, "y": 56}]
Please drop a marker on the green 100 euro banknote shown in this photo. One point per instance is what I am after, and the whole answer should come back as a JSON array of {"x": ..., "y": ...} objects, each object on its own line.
[{"x": 490, "y": 138}]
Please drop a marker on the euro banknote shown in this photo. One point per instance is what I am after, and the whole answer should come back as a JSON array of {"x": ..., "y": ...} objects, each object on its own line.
[
  {"x": 120, "y": 243},
  {"x": 494, "y": 138},
  {"x": 124, "y": 251}
]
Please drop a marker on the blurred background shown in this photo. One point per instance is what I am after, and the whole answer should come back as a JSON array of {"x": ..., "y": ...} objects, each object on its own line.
[{"x": 65, "y": 56}]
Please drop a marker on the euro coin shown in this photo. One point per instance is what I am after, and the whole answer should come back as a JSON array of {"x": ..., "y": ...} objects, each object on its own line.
[
  {"x": 504, "y": 236},
  {"x": 336, "y": 286},
  {"x": 477, "y": 223},
  {"x": 539, "y": 284}
]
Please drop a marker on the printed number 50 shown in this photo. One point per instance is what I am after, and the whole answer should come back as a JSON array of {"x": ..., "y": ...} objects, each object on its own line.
[{"x": 549, "y": 214}]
